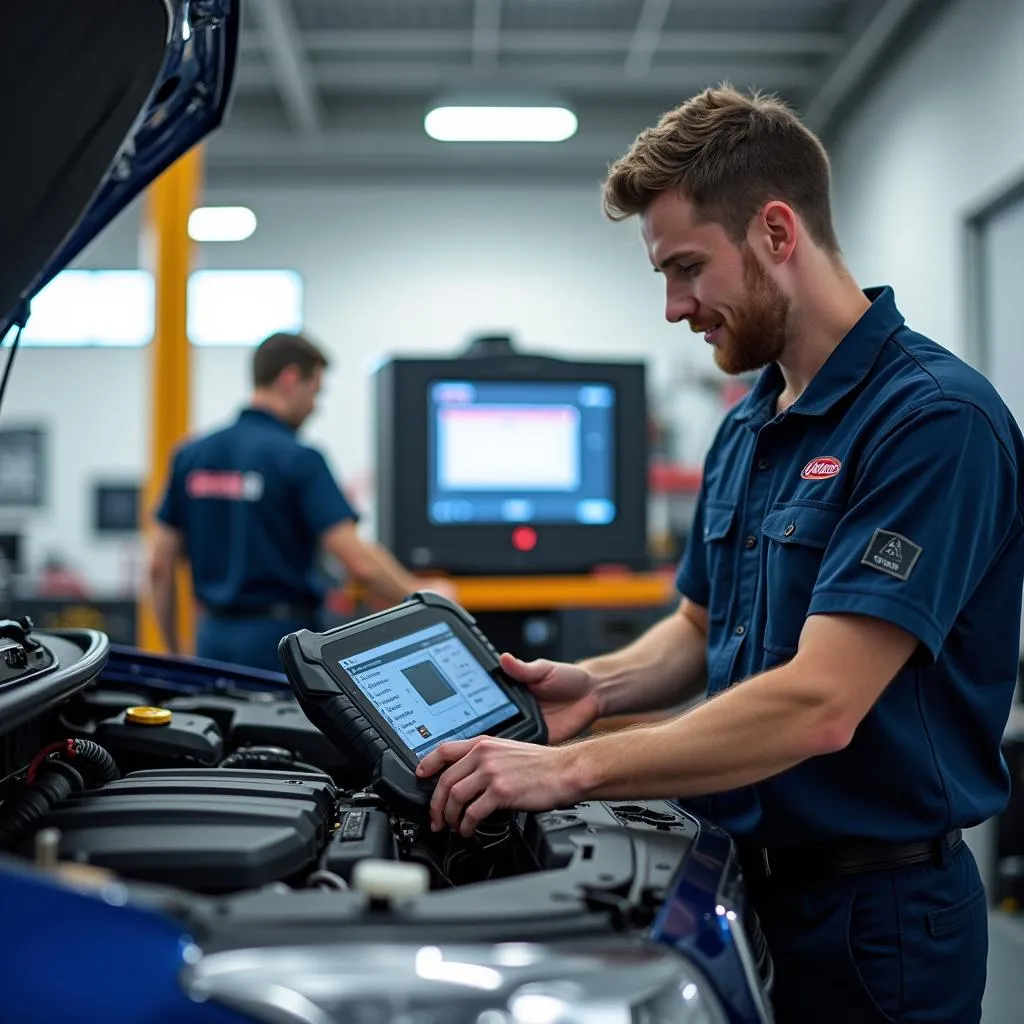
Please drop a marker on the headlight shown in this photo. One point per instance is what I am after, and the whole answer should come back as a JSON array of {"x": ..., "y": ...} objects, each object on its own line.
[{"x": 508, "y": 983}]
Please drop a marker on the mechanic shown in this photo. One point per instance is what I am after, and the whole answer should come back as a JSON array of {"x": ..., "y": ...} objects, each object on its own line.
[
  {"x": 251, "y": 508},
  {"x": 851, "y": 594}
]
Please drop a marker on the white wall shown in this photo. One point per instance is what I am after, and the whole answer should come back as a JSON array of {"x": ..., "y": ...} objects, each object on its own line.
[
  {"x": 92, "y": 407},
  {"x": 411, "y": 270},
  {"x": 938, "y": 136}
]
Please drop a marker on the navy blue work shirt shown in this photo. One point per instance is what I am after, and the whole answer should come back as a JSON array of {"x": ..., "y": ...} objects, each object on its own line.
[
  {"x": 891, "y": 488},
  {"x": 252, "y": 503}
]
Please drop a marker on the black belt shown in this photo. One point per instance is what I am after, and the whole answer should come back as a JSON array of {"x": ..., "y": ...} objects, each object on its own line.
[
  {"x": 845, "y": 857},
  {"x": 279, "y": 610}
]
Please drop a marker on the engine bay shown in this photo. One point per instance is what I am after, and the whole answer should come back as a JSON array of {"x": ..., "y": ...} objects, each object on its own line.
[
  {"x": 221, "y": 805},
  {"x": 227, "y": 793}
]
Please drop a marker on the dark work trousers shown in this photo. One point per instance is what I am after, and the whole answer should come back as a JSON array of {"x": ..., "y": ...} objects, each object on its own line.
[
  {"x": 241, "y": 641},
  {"x": 909, "y": 944}
]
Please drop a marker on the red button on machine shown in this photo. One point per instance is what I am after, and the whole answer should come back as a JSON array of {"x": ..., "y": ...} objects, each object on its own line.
[{"x": 524, "y": 538}]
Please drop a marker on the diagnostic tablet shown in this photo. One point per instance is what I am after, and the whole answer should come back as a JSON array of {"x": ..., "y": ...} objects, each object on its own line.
[{"x": 390, "y": 687}]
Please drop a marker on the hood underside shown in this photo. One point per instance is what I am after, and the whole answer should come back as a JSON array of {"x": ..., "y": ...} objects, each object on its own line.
[{"x": 99, "y": 98}]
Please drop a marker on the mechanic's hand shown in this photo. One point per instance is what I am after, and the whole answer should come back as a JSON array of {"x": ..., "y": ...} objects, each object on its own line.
[
  {"x": 564, "y": 692},
  {"x": 488, "y": 774}
]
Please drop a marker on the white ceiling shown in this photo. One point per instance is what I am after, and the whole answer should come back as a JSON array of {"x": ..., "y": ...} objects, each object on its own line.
[{"x": 334, "y": 89}]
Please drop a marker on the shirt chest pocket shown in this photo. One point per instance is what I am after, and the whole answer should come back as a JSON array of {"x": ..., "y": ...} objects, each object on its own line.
[
  {"x": 719, "y": 519},
  {"x": 796, "y": 537}
]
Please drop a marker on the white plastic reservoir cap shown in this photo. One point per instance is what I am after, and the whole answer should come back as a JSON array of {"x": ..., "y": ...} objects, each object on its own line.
[{"x": 390, "y": 880}]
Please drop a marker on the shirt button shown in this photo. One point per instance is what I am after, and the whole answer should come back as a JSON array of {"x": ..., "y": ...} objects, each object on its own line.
[
  {"x": 751, "y": 542},
  {"x": 740, "y": 630},
  {"x": 763, "y": 463},
  {"x": 789, "y": 530}
]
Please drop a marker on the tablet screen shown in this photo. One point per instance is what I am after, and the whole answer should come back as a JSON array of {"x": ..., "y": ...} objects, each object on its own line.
[{"x": 429, "y": 688}]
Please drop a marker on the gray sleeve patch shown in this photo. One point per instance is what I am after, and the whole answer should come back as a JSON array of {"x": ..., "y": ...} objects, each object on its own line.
[{"x": 891, "y": 553}]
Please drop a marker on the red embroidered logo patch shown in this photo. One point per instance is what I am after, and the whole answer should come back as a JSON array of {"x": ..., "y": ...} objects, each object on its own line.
[
  {"x": 822, "y": 468},
  {"x": 228, "y": 485}
]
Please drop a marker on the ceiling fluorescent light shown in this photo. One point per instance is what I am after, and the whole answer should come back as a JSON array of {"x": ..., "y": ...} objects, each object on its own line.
[
  {"x": 221, "y": 224},
  {"x": 500, "y": 124}
]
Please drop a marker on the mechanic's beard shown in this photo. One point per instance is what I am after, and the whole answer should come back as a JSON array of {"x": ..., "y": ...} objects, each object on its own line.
[{"x": 756, "y": 335}]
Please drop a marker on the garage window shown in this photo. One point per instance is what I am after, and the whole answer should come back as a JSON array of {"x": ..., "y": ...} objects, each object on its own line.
[{"x": 115, "y": 308}]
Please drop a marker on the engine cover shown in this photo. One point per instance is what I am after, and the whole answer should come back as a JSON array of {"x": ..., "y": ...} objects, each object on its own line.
[
  {"x": 277, "y": 723},
  {"x": 215, "y": 830}
]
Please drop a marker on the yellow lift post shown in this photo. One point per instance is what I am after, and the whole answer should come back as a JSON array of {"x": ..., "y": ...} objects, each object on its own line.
[{"x": 167, "y": 250}]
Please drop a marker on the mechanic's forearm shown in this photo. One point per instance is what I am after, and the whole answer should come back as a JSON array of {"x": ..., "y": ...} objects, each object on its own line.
[
  {"x": 164, "y": 595},
  {"x": 666, "y": 666},
  {"x": 385, "y": 575},
  {"x": 749, "y": 733}
]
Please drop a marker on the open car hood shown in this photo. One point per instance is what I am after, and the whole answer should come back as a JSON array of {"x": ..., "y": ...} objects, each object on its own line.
[{"x": 99, "y": 97}]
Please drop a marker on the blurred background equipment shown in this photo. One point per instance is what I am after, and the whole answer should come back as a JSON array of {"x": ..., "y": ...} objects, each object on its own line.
[
  {"x": 512, "y": 463},
  {"x": 116, "y": 508},
  {"x": 22, "y": 467}
]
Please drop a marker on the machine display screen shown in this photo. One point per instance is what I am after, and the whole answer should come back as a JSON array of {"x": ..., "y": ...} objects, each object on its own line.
[
  {"x": 521, "y": 451},
  {"x": 429, "y": 688}
]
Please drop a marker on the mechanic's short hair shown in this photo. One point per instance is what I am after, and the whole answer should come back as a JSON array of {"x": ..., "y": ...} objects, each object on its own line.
[
  {"x": 728, "y": 154},
  {"x": 282, "y": 350}
]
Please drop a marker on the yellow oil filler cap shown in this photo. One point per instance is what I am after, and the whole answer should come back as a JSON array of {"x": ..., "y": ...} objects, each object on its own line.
[{"x": 148, "y": 716}]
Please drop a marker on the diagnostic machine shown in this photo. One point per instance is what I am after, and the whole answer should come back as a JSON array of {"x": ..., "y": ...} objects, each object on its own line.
[
  {"x": 512, "y": 464},
  {"x": 389, "y": 688}
]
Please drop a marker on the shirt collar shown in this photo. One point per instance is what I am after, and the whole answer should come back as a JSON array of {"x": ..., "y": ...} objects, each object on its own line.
[
  {"x": 253, "y": 415},
  {"x": 844, "y": 369}
]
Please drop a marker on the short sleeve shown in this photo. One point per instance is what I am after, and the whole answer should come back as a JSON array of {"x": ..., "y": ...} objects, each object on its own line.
[
  {"x": 321, "y": 500},
  {"x": 692, "y": 578},
  {"x": 935, "y": 502},
  {"x": 171, "y": 510}
]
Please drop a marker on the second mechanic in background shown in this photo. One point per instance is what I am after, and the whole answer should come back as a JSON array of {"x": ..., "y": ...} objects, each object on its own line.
[{"x": 251, "y": 509}]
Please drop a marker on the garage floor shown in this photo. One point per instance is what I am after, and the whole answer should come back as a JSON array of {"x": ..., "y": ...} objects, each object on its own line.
[{"x": 1004, "y": 996}]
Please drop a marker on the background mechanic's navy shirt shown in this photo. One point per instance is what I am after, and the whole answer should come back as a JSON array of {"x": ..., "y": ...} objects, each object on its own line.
[
  {"x": 890, "y": 488},
  {"x": 252, "y": 502}
]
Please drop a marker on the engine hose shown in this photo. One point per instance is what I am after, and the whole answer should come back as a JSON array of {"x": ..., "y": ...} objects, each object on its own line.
[
  {"x": 269, "y": 759},
  {"x": 273, "y": 758},
  {"x": 327, "y": 879},
  {"x": 54, "y": 783},
  {"x": 97, "y": 760},
  {"x": 90, "y": 756}
]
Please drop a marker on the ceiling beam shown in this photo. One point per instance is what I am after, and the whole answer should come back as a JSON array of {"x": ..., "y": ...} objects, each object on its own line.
[
  {"x": 854, "y": 63},
  {"x": 486, "y": 33},
  {"x": 383, "y": 147},
  {"x": 446, "y": 171},
  {"x": 387, "y": 78},
  {"x": 645, "y": 39},
  {"x": 448, "y": 41},
  {"x": 287, "y": 58}
]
